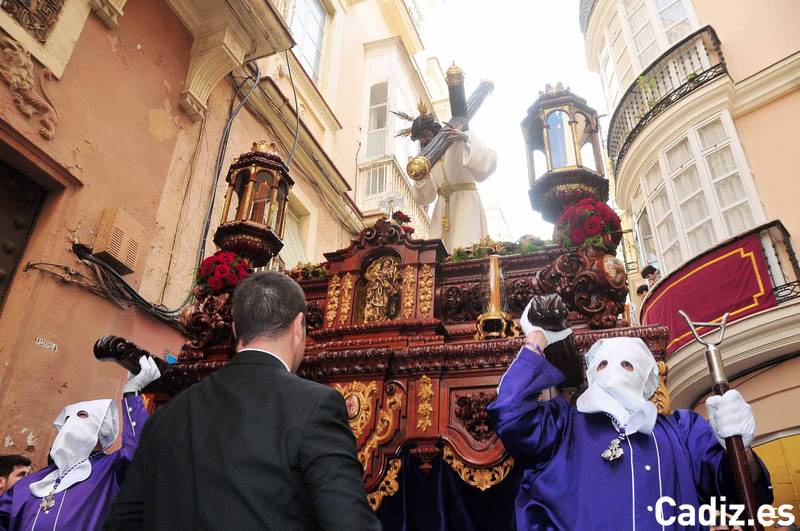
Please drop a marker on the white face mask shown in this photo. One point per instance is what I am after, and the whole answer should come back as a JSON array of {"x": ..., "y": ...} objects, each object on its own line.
[
  {"x": 622, "y": 393},
  {"x": 80, "y": 427}
]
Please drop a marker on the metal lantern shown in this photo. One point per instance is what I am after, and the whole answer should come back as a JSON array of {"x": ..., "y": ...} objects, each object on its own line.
[
  {"x": 563, "y": 149},
  {"x": 254, "y": 213}
]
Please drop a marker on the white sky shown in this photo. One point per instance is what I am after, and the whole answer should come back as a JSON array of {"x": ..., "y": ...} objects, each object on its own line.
[{"x": 521, "y": 45}]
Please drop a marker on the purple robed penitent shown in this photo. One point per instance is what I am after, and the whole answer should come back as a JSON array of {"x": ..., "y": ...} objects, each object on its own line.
[
  {"x": 567, "y": 485},
  {"x": 85, "y": 505}
]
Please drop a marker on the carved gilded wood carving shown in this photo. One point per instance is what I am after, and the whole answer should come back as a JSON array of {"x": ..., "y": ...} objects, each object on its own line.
[
  {"x": 409, "y": 292},
  {"x": 481, "y": 478},
  {"x": 358, "y": 399},
  {"x": 387, "y": 487},
  {"x": 346, "y": 301},
  {"x": 424, "y": 403},
  {"x": 333, "y": 300},
  {"x": 661, "y": 397},
  {"x": 425, "y": 290},
  {"x": 385, "y": 426}
]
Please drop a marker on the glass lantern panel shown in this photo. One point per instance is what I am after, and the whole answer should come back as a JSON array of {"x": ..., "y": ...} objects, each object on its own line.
[
  {"x": 587, "y": 156},
  {"x": 539, "y": 163},
  {"x": 262, "y": 194},
  {"x": 237, "y": 200},
  {"x": 561, "y": 144}
]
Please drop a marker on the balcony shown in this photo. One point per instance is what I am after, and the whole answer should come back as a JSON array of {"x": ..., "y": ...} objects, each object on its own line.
[
  {"x": 684, "y": 68},
  {"x": 755, "y": 278},
  {"x": 384, "y": 176}
]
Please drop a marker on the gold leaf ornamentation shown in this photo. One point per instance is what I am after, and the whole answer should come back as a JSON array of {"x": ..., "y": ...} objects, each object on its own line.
[
  {"x": 409, "y": 292},
  {"x": 384, "y": 428},
  {"x": 387, "y": 487},
  {"x": 661, "y": 397},
  {"x": 424, "y": 403},
  {"x": 333, "y": 300},
  {"x": 358, "y": 399},
  {"x": 481, "y": 478},
  {"x": 346, "y": 301},
  {"x": 425, "y": 290}
]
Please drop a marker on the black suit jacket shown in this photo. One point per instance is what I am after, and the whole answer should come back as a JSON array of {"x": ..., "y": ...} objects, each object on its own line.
[{"x": 252, "y": 446}]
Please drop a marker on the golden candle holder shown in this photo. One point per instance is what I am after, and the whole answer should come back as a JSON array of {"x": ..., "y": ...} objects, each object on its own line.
[{"x": 494, "y": 322}]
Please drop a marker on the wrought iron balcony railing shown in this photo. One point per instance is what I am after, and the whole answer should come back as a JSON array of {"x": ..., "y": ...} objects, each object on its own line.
[
  {"x": 384, "y": 176},
  {"x": 684, "y": 68},
  {"x": 752, "y": 272}
]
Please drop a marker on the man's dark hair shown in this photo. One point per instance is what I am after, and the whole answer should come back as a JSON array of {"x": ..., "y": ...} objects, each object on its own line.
[
  {"x": 642, "y": 289},
  {"x": 422, "y": 123},
  {"x": 265, "y": 304},
  {"x": 649, "y": 270},
  {"x": 9, "y": 462}
]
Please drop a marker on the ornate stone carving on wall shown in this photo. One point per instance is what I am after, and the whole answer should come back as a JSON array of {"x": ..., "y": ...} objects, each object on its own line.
[
  {"x": 38, "y": 17},
  {"x": 27, "y": 88},
  {"x": 471, "y": 413}
]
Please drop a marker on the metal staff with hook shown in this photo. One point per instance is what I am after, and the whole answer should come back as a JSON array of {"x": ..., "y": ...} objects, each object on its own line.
[{"x": 735, "y": 448}]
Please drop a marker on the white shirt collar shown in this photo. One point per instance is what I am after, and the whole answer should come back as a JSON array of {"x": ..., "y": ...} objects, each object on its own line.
[{"x": 270, "y": 353}]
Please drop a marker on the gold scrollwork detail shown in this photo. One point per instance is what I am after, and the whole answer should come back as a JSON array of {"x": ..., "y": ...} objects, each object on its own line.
[
  {"x": 333, "y": 300},
  {"x": 387, "y": 487},
  {"x": 425, "y": 290},
  {"x": 424, "y": 403},
  {"x": 346, "y": 302},
  {"x": 358, "y": 399},
  {"x": 661, "y": 397},
  {"x": 409, "y": 292},
  {"x": 482, "y": 478},
  {"x": 384, "y": 428}
]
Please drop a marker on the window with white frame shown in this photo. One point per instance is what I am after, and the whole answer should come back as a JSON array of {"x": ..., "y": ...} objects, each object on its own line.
[
  {"x": 696, "y": 193},
  {"x": 308, "y": 29},
  {"x": 294, "y": 249},
  {"x": 377, "y": 128},
  {"x": 376, "y": 181},
  {"x": 635, "y": 33}
]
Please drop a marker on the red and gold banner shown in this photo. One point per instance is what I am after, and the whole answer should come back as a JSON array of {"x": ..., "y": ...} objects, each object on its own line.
[{"x": 733, "y": 279}]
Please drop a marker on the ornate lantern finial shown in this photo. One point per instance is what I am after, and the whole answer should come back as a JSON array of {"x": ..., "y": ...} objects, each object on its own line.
[
  {"x": 564, "y": 158},
  {"x": 254, "y": 212}
]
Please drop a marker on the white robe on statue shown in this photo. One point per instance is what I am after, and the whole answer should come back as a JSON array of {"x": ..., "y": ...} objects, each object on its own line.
[{"x": 463, "y": 163}]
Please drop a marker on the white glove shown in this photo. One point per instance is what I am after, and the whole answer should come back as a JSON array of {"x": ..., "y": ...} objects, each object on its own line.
[
  {"x": 148, "y": 374},
  {"x": 730, "y": 415},
  {"x": 551, "y": 336}
]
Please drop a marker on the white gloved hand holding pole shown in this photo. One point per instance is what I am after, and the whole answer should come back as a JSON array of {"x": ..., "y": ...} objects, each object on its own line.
[
  {"x": 550, "y": 335},
  {"x": 149, "y": 373},
  {"x": 730, "y": 415}
]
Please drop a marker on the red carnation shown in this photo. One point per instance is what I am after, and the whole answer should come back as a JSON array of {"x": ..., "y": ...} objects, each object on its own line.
[
  {"x": 402, "y": 217},
  {"x": 593, "y": 225},
  {"x": 408, "y": 229},
  {"x": 231, "y": 278},
  {"x": 241, "y": 271},
  {"x": 222, "y": 271},
  {"x": 577, "y": 236},
  {"x": 206, "y": 268},
  {"x": 226, "y": 258},
  {"x": 586, "y": 201},
  {"x": 215, "y": 283}
]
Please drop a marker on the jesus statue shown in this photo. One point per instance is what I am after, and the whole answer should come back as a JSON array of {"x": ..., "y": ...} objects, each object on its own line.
[{"x": 458, "y": 218}]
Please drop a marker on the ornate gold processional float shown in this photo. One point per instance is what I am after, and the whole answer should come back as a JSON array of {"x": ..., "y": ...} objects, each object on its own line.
[{"x": 416, "y": 340}]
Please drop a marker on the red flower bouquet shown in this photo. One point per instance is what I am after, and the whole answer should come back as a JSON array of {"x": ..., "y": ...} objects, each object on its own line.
[
  {"x": 222, "y": 271},
  {"x": 401, "y": 217},
  {"x": 587, "y": 223}
]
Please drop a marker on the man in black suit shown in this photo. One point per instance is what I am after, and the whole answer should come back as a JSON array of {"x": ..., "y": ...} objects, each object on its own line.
[{"x": 252, "y": 446}]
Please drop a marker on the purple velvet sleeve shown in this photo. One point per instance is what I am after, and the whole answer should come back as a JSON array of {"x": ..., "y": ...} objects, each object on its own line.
[
  {"x": 5, "y": 511},
  {"x": 134, "y": 415},
  {"x": 530, "y": 429}
]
